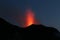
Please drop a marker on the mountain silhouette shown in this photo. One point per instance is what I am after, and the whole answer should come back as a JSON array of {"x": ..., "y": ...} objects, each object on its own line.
[
  {"x": 41, "y": 32},
  {"x": 33, "y": 32},
  {"x": 9, "y": 31}
]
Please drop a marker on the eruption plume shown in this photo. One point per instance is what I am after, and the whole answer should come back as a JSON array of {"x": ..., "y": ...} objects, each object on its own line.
[{"x": 30, "y": 18}]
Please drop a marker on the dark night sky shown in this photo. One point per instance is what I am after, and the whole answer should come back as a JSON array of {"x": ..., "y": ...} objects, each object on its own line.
[{"x": 46, "y": 11}]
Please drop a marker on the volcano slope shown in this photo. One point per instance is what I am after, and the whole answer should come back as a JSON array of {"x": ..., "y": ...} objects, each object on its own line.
[{"x": 32, "y": 32}]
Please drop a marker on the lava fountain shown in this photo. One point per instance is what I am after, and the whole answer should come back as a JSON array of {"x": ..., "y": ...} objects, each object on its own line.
[{"x": 29, "y": 18}]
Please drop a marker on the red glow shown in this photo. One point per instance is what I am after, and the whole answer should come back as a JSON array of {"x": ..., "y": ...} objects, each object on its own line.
[{"x": 29, "y": 18}]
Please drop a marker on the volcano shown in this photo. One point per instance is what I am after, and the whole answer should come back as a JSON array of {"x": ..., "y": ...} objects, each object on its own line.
[{"x": 32, "y": 32}]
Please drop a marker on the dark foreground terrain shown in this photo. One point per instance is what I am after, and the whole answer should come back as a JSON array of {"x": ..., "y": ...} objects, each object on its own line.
[{"x": 33, "y": 32}]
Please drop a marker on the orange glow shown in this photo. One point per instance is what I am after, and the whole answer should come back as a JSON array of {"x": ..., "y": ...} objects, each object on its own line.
[{"x": 29, "y": 18}]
